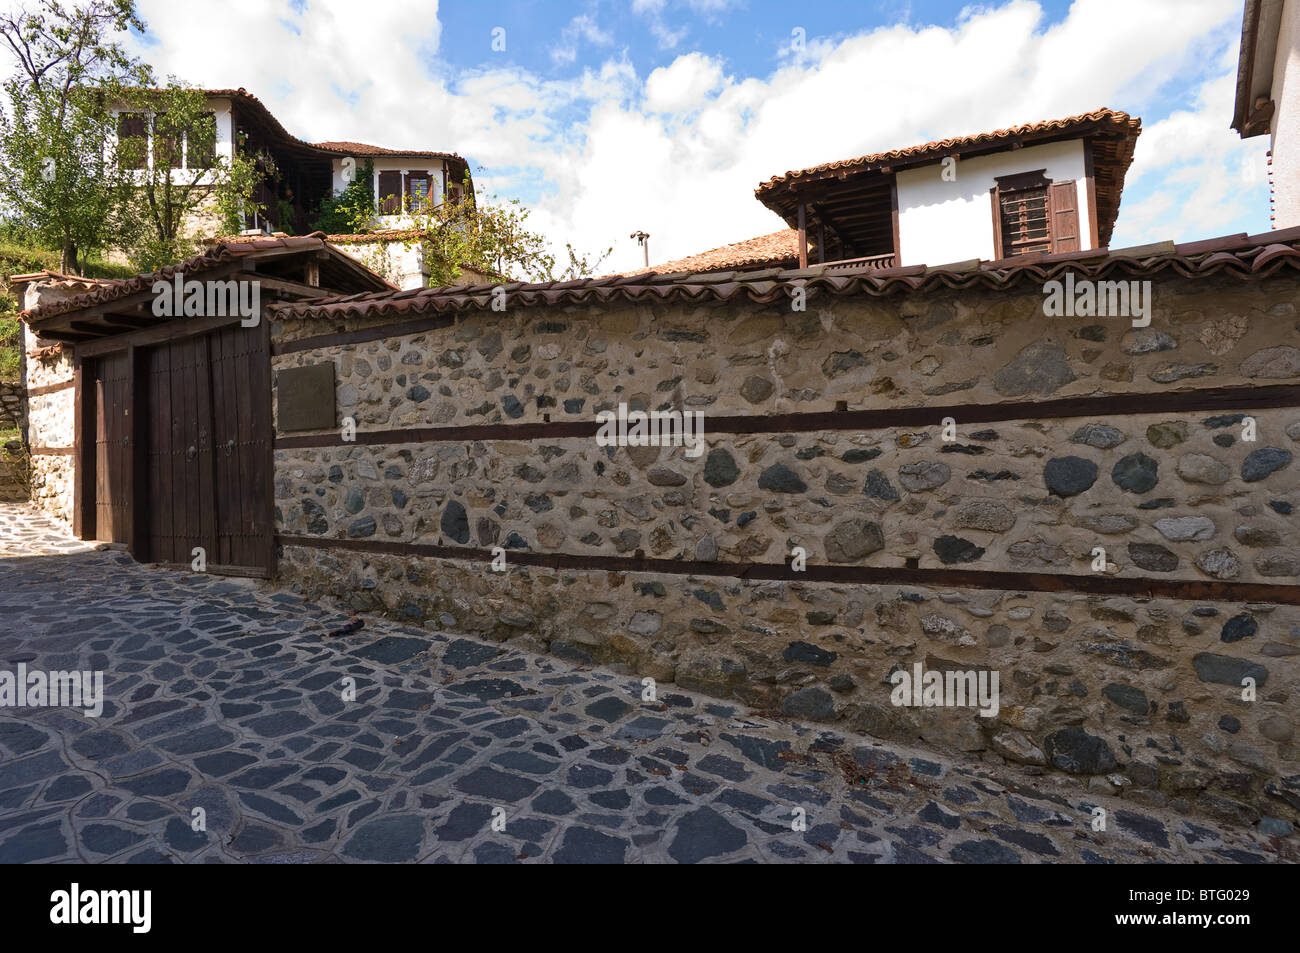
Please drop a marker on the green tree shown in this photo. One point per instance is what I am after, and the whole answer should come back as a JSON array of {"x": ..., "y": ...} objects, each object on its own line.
[
  {"x": 178, "y": 174},
  {"x": 352, "y": 211},
  {"x": 489, "y": 237},
  {"x": 56, "y": 177}
]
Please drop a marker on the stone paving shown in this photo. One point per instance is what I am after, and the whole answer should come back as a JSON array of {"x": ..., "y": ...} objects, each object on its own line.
[{"x": 228, "y": 695}]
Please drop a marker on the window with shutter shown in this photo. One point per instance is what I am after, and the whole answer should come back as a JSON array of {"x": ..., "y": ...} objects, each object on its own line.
[
  {"x": 201, "y": 143},
  {"x": 132, "y": 141},
  {"x": 419, "y": 191},
  {"x": 1022, "y": 214},
  {"x": 390, "y": 193},
  {"x": 1025, "y": 228},
  {"x": 167, "y": 144}
]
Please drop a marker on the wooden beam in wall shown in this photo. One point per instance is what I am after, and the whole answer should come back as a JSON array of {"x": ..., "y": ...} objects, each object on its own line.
[{"x": 1138, "y": 587}]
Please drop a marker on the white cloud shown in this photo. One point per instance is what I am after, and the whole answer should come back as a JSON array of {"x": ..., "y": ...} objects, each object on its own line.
[
  {"x": 683, "y": 85},
  {"x": 679, "y": 151},
  {"x": 582, "y": 28}
]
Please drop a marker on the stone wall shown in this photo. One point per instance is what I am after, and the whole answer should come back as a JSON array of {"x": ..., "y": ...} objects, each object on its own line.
[
  {"x": 15, "y": 472},
  {"x": 11, "y": 405},
  {"x": 1139, "y": 691},
  {"x": 51, "y": 416}
]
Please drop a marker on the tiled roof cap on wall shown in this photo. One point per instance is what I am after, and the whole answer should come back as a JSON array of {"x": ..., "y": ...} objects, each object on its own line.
[
  {"x": 220, "y": 253},
  {"x": 1239, "y": 256}
]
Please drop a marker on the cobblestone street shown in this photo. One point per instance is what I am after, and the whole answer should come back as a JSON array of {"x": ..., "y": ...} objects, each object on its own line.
[{"x": 226, "y": 695}]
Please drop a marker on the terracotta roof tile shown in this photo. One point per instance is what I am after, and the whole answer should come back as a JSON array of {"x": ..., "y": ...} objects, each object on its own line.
[
  {"x": 344, "y": 147},
  {"x": 1264, "y": 256},
  {"x": 338, "y": 148},
  {"x": 218, "y": 254},
  {"x": 775, "y": 248},
  {"x": 1113, "y": 134},
  {"x": 939, "y": 149}
]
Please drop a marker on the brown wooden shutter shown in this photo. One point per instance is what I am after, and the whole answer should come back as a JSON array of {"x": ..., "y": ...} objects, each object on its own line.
[
  {"x": 1065, "y": 216},
  {"x": 390, "y": 193},
  {"x": 132, "y": 142},
  {"x": 996, "y": 204},
  {"x": 167, "y": 151},
  {"x": 202, "y": 142}
]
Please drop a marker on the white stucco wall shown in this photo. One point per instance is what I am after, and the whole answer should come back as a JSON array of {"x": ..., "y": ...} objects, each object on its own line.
[
  {"x": 402, "y": 164},
  {"x": 1286, "y": 119},
  {"x": 225, "y": 145},
  {"x": 400, "y": 262},
  {"x": 941, "y": 222}
]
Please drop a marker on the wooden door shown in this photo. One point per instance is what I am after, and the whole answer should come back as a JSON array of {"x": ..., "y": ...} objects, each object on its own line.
[
  {"x": 241, "y": 412},
  {"x": 180, "y": 452},
  {"x": 111, "y": 381},
  {"x": 209, "y": 461}
]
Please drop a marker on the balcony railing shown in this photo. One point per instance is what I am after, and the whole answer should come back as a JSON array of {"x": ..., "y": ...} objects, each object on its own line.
[{"x": 873, "y": 261}]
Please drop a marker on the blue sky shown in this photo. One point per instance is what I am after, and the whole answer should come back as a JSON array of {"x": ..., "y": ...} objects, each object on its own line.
[{"x": 663, "y": 115}]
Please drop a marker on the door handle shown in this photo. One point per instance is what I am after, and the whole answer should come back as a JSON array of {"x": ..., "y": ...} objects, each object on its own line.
[{"x": 191, "y": 453}]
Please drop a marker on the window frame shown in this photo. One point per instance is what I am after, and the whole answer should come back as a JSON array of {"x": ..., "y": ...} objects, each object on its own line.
[{"x": 1007, "y": 186}]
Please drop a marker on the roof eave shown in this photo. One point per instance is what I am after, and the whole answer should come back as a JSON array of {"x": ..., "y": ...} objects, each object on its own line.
[{"x": 1256, "y": 57}]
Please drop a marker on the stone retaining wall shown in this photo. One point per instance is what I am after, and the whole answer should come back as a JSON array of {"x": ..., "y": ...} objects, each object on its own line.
[
  {"x": 12, "y": 413},
  {"x": 1136, "y": 691}
]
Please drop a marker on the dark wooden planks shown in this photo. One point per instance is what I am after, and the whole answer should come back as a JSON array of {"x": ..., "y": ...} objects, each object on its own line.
[{"x": 241, "y": 407}]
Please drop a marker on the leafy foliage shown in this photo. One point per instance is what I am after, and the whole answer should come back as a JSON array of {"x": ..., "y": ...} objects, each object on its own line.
[
  {"x": 489, "y": 239},
  {"x": 56, "y": 177},
  {"x": 65, "y": 172},
  {"x": 185, "y": 175},
  {"x": 351, "y": 211}
]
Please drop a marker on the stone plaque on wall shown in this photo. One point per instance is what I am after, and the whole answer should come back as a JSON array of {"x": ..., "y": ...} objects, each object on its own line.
[{"x": 305, "y": 397}]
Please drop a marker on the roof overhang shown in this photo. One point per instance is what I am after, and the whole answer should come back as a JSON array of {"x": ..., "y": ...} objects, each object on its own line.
[
  {"x": 852, "y": 198},
  {"x": 1260, "y": 24},
  {"x": 286, "y": 269}
]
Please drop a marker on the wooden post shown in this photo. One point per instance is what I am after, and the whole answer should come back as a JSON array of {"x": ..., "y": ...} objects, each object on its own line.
[
  {"x": 821, "y": 244},
  {"x": 83, "y": 466},
  {"x": 803, "y": 235}
]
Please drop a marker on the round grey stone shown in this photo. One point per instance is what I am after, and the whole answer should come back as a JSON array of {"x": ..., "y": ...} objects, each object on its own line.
[{"x": 1069, "y": 476}]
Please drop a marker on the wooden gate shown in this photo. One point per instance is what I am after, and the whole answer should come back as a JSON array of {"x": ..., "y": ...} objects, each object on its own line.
[
  {"x": 209, "y": 425},
  {"x": 186, "y": 453},
  {"x": 239, "y": 363}
]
